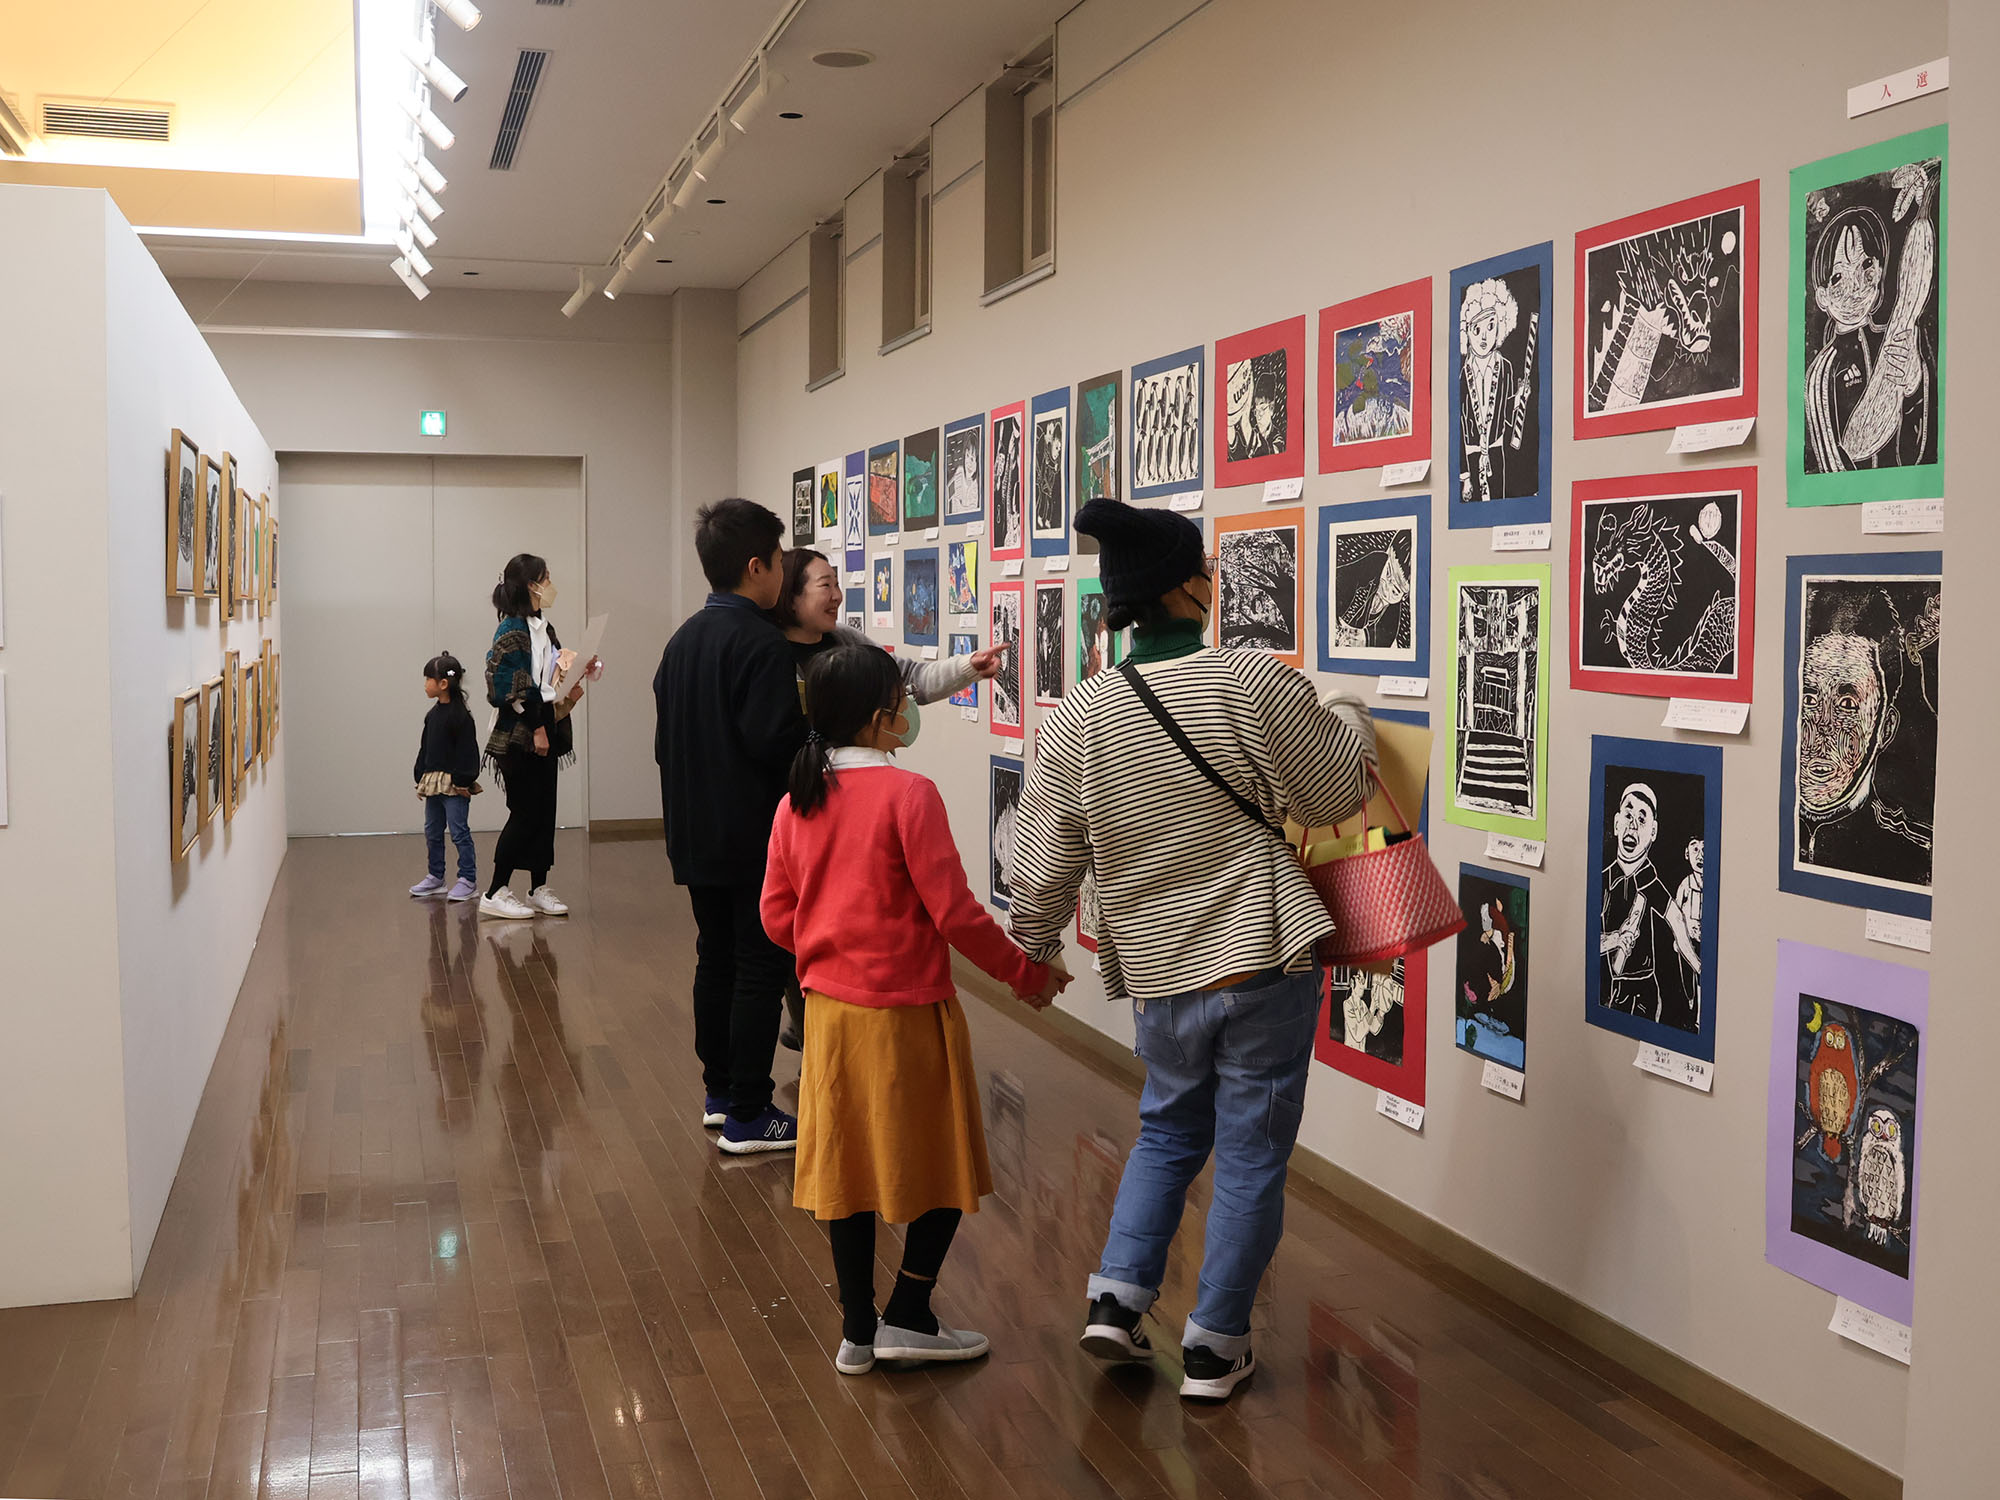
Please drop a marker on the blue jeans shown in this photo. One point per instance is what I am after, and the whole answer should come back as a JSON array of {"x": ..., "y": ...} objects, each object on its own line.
[
  {"x": 440, "y": 812},
  {"x": 1225, "y": 1073}
]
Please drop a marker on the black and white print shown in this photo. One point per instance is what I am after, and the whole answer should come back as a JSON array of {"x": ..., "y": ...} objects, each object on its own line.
[
  {"x": 1499, "y": 398},
  {"x": 1374, "y": 608},
  {"x": 1051, "y": 439},
  {"x": 1166, "y": 427},
  {"x": 964, "y": 495},
  {"x": 1257, "y": 412},
  {"x": 1660, "y": 588},
  {"x": 212, "y": 746},
  {"x": 1006, "y": 632},
  {"x": 211, "y": 530},
  {"x": 802, "y": 508},
  {"x": 1665, "y": 315},
  {"x": 183, "y": 513},
  {"x": 1867, "y": 695},
  {"x": 1871, "y": 321},
  {"x": 1003, "y": 799},
  {"x": 1007, "y": 482},
  {"x": 1051, "y": 641},
  {"x": 186, "y": 741},
  {"x": 1367, "y": 1011},
  {"x": 1499, "y": 658},
  {"x": 1257, "y": 587},
  {"x": 1650, "y": 871}
]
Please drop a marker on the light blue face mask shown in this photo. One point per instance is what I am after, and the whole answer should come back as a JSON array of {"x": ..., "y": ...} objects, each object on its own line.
[{"x": 913, "y": 720}]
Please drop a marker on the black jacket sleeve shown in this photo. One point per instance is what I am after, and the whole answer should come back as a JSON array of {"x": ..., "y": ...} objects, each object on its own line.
[
  {"x": 768, "y": 715},
  {"x": 464, "y": 748}
]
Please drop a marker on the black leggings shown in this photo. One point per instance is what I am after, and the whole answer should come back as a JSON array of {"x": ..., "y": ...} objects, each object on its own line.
[
  {"x": 528, "y": 842},
  {"x": 924, "y": 1246}
]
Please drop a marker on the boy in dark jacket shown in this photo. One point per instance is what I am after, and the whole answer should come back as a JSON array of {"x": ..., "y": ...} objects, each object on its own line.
[{"x": 729, "y": 725}]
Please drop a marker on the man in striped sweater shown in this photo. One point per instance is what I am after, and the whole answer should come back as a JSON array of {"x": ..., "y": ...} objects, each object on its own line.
[{"x": 1171, "y": 780}]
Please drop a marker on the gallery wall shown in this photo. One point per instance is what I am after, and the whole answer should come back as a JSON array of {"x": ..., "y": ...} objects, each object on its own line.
[
  {"x": 122, "y": 962},
  {"x": 347, "y": 369},
  {"x": 1227, "y": 165}
]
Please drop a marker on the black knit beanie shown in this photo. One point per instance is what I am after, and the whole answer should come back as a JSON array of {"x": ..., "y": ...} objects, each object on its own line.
[{"x": 1142, "y": 553}]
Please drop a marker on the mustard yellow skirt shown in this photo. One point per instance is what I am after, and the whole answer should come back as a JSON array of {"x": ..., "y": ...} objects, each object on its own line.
[{"x": 888, "y": 1112}]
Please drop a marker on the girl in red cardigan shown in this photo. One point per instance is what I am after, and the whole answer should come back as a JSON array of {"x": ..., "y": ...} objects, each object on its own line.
[{"x": 865, "y": 888}]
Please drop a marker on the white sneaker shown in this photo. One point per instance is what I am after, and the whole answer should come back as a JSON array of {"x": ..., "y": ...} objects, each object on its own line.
[
  {"x": 504, "y": 903},
  {"x": 547, "y": 902}
]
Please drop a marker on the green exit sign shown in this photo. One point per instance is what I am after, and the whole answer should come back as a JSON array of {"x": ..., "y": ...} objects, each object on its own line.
[{"x": 430, "y": 423}]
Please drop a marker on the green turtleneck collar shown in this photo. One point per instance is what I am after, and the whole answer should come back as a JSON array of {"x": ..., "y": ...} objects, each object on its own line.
[{"x": 1176, "y": 638}]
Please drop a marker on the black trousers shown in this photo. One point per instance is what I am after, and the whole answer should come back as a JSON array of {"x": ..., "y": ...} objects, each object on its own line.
[
  {"x": 739, "y": 990},
  {"x": 528, "y": 842}
]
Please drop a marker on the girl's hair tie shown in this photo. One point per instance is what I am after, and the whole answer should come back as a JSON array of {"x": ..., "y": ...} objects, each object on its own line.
[{"x": 814, "y": 737}]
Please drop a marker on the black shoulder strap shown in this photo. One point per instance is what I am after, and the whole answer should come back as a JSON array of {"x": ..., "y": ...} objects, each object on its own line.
[{"x": 1130, "y": 672}]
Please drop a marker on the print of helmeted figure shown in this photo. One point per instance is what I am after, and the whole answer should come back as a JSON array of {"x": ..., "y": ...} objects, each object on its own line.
[
  {"x": 1486, "y": 317},
  {"x": 1643, "y": 939},
  {"x": 1870, "y": 385},
  {"x": 1377, "y": 613}
]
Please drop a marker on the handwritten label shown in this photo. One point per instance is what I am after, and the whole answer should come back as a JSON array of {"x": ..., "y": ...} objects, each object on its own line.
[
  {"x": 1523, "y": 538},
  {"x": 1283, "y": 489},
  {"x": 1676, "y": 1066},
  {"x": 1190, "y": 501},
  {"x": 930, "y": 653},
  {"x": 1903, "y": 932},
  {"x": 970, "y": 715},
  {"x": 1055, "y": 565},
  {"x": 1706, "y": 716},
  {"x": 1403, "y": 687},
  {"x": 1899, "y": 517},
  {"x": 1401, "y": 1111},
  {"x": 1502, "y": 1079},
  {"x": 1410, "y": 473},
  {"x": 1011, "y": 568},
  {"x": 859, "y": 575},
  {"x": 977, "y": 528},
  {"x": 930, "y": 533},
  {"x": 1699, "y": 437},
  {"x": 892, "y": 540},
  {"x": 1899, "y": 88},
  {"x": 1871, "y": 1329},
  {"x": 1516, "y": 851}
]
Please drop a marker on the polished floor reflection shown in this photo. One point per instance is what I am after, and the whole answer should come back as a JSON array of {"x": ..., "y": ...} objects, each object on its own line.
[{"x": 449, "y": 1226}]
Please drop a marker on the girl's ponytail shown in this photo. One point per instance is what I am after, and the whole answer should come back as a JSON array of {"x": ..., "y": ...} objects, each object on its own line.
[
  {"x": 809, "y": 774},
  {"x": 444, "y": 668},
  {"x": 845, "y": 688}
]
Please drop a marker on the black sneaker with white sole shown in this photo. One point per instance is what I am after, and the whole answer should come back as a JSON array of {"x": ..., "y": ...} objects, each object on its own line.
[
  {"x": 1207, "y": 1376},
  {"x": 1111, "y": 1331}
]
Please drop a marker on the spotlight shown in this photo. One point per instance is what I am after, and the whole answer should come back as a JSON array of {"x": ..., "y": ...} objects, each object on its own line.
[
  {"x": 704, "y": 164},
  {"x": 463, "y": 12},
  {"x": 412, "y": 255},
  {"x": 690, "y": 185},
  {"x": 432, "y": 67},
  {"x": 617, "y": 282},
  {"x": 768, "y": 78},
  {"x": 637, "y": 256},
  {"x": 435, "y": 130},
  {"x": 657, "y": 215},
  {"x": 425, "y": 235},
  {"x": 584, "y": 287},
  {"x": 431, "y": 208},
  {"x": 409, "y": 279},
  {"x": 429, "y": 175}
]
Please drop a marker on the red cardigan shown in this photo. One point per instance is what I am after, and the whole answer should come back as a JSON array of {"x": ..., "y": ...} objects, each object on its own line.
[{"x": 869, "y": 894}]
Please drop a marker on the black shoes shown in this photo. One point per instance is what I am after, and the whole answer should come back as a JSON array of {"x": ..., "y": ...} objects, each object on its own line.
[
  {"x": 1207, "y": 1376},
  {"x": 1111, "y": 1331}
]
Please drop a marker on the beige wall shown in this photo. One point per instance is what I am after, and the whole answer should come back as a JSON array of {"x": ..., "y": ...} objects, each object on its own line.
[{"x": 1265, "y": 158}]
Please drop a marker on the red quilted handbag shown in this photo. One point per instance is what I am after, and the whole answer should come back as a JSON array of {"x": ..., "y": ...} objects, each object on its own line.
[{"x": 1385, "y": 903}]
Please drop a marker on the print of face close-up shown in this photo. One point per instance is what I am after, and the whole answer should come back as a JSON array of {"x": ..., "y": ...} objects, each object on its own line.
[
  {"x": 1636, "y": 826},
  {"x": 1844, "y": 720}
]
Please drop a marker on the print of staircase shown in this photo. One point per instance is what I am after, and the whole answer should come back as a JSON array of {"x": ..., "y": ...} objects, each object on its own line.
[{"x": 1495, "y": 769}]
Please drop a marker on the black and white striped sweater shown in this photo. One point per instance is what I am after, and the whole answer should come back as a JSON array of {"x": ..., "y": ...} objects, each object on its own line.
[{"x": 1189, "y": 890}]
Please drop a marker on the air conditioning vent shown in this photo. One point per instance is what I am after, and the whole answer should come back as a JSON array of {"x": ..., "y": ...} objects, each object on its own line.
[
  {"x": 551, "y": 2},
  {"x": 116, "y": 122},
  {"x": 514, "y": 118}
]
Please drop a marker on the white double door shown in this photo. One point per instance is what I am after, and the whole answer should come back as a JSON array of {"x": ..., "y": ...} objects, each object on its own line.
[{"x": 389, "y": 560}]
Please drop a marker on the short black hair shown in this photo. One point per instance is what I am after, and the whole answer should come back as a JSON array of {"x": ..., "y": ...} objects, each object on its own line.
[{"x": 731, "y": 532}]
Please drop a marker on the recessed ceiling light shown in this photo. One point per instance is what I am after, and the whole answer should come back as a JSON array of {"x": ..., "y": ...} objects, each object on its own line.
[
  {"x": 844, "y": 57},
  {"x": 468, "y": 273},
  {"x": 667, "y": 262},
  {"x": 718, "y": 200},
  {"x": 790, "y": 114}
]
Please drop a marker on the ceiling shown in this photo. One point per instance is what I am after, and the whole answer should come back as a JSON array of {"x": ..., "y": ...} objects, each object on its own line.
[{"x": 627, "y": 82}]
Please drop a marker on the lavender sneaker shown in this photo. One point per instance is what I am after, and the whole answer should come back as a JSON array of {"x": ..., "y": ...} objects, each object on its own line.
[
  {"x": 464, "y": 890},
  {"x": 430, "y": 885}
]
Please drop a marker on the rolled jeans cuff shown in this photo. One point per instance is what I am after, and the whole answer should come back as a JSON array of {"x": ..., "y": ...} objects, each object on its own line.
[
  {"x": 1138, "y": 1299},
  {"x": 1227, "y": 1345}
]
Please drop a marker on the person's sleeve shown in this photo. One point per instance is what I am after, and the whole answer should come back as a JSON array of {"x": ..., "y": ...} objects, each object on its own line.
[
  {"x": 465, "y": 750},
  {"x": 417, "y": 770},
  {"x": 768, "y": 716},
  {"x": 1051, "y": 842},
  {"x": 779, "y": 906},
  {"x": 932, "y": 858},
  {"x": 1318, "y": 762},
  {"x": 928, "y": 681}
]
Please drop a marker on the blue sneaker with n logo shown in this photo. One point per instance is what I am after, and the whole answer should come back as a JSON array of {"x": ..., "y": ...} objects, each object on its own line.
[{"x": 773, "y": 1130}]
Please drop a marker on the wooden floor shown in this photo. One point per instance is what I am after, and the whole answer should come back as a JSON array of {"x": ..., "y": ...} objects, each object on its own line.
[{"x": 448, "y": 1226}]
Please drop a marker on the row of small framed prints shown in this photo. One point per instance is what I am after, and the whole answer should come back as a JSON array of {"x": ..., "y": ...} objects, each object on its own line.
[
  {"x": 221, "y": 732},
  {"x": 221, "y": 543}
]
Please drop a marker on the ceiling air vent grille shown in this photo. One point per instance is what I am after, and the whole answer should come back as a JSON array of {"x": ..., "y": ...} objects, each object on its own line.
[
  {"x": 551, "y": 2},
  {"x": 118, "y": 122},
  {"x": 521, "y": 94}
]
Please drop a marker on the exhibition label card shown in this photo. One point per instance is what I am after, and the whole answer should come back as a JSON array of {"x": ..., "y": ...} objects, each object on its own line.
[
  {"x": 1882, "y": 1334},
  {"x": 860, "y": 576},
  {"x": 1502, "y": 1079},
  {"x": 892, "y": 539},
  {"x": 1409, "y": 473},
  {"x": 1699, "y": 437},
  {"x": 930, "y": 653},
  {"x": 1900, "y": 517},
  {"x": 1283, "y": 489},
  {"x": 1055, "y": 565},
  {"x": 1706, "y": 716},
  {"x": 1676, "y": 1066},
  {"x": 1899, "y": 88},
  {"x": 977, "y": 528},
  {"x": 1403, "y": 687},
  {"x": 970, "y": 715},
  {"x": 1523, "y": 538},
  {"x": 1516, "y": 851},
  {"x": 1011, "y": 568},
  {"x": 1190, "y": 501},
  {"x": 930, "y": 533},
  {"x": 1400, "y": 1110},
  {"x": 1903, "y": 932}
]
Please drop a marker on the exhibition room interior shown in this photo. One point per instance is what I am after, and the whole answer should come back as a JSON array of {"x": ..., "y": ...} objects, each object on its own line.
[{"x": 1582, "y": 392}]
